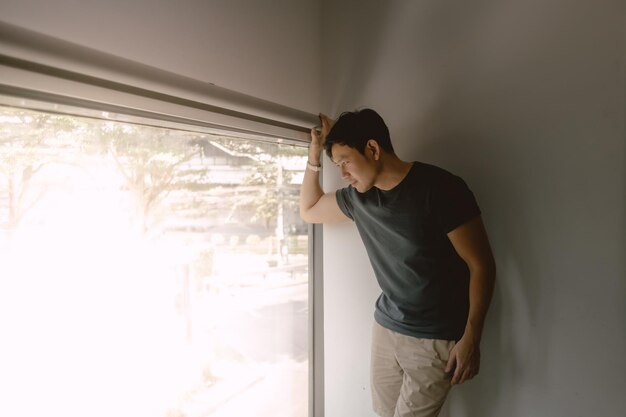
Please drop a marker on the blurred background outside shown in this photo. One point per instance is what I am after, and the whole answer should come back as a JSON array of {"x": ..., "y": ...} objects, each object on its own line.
[{"x": 147, "y": 271}]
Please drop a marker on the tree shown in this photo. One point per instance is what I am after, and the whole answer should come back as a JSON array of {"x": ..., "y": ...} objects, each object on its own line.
[
  {"x": 267, "y": 190},
  {"x": 150, "y": 161},
  {"x": 29, "y": 141}
]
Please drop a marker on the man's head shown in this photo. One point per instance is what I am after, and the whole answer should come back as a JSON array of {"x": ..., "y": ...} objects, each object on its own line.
[
  {"x": 357, "y": 144},
  {"x": 355, "y": 129}
]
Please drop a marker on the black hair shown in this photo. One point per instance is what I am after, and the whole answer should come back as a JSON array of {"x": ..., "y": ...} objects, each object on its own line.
[{"x": 355, "y": 128}]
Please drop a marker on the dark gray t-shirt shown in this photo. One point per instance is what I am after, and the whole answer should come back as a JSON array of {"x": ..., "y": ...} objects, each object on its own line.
[{"x": 424, "y": 282}]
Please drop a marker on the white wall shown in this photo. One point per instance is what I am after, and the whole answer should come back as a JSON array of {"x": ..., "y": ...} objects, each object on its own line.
[
  {"x": 526, "y": 101},
  {"x": 268, "y": 49}
]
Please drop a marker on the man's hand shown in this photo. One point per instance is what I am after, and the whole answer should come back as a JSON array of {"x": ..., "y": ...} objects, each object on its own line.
[
  {"x": 464, "y": 360},
  {"x": 318, "y": 138}
]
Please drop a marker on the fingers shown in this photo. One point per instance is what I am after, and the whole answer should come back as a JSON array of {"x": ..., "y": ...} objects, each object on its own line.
[
  {"x": 464, "y": 369},
  {"x": 451, "y": 361},
  {"x": 456, "y": 378},
  {"x": 464, "y": 373},
  {"x": 455, "y": 366},
  {"x": 319, "y": 133},
  {"x": 327, "y": 123},
  {"x": 315, "y": 136},
  {"x": 468, "y": 374},
  {"x": 315, "y": 147},
  {"x": 464, "y": 361}
]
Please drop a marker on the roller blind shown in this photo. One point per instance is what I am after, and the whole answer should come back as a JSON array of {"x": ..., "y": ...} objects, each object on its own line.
[{"x": 35, "y": 67}]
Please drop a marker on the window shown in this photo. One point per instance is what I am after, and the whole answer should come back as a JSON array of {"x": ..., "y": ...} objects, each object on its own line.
[{"x": 149, "y": 271}]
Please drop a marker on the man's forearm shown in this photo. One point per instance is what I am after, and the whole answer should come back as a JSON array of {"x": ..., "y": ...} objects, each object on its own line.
[
  {"x": 310, "y": 191},
  {"x": 481, "y": 287}
]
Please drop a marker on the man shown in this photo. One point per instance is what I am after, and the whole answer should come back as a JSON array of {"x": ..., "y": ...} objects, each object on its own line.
[{"x": 423, "y": 233}]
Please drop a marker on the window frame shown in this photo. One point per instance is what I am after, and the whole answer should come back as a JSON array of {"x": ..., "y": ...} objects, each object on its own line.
[{"x": 38, "y": 70}]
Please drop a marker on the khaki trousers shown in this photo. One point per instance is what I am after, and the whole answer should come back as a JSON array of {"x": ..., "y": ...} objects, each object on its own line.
[{"x": 408, "y": 374}]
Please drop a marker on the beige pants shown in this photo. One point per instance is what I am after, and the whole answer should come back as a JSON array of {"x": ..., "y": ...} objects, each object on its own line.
[{"x": 408, "y": 374}]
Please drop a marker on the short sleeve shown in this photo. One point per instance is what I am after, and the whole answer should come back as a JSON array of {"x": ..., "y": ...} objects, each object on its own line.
[
  {"x": 452, "y": 202},
  {"x": 344, "y": 201}
]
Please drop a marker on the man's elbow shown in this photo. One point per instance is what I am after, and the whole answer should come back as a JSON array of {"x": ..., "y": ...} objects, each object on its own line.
[
  {"x": 489, "y": 267},
  {"x": 305, "y": 215},
  {"x": 311, "y": 216},
  {"x": 485, "y": 267}
]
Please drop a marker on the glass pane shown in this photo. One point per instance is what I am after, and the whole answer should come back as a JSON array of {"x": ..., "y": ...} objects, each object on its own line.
[{"x": 149, "y": 272}]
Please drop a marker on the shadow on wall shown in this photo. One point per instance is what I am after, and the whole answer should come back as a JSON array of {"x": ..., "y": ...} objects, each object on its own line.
[
  {"x": 517, "y": 138},
  {"x": 502, "y": 131},
  {"x": 487, "y": 126},
  {"x": 511, "y": 332},
  {"x": 518, "y": 124}
]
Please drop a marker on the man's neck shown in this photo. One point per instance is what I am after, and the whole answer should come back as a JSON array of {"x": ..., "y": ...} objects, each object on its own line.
[{"x": 393, "y": 171}]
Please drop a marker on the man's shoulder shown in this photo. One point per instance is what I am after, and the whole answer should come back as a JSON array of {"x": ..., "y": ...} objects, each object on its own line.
[
  {"x": 431, "y": 168},
  {"x": 429, "y": 172}
]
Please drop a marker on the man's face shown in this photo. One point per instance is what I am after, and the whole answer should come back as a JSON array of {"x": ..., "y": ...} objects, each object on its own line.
[{"x": 355, "y": 167}]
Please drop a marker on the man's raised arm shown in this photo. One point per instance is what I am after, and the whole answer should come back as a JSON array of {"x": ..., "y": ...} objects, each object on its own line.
[{"x": 315, "y": 205}]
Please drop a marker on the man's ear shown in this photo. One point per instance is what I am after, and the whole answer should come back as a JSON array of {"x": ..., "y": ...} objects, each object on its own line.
[{"x": 373, "y": 149}]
